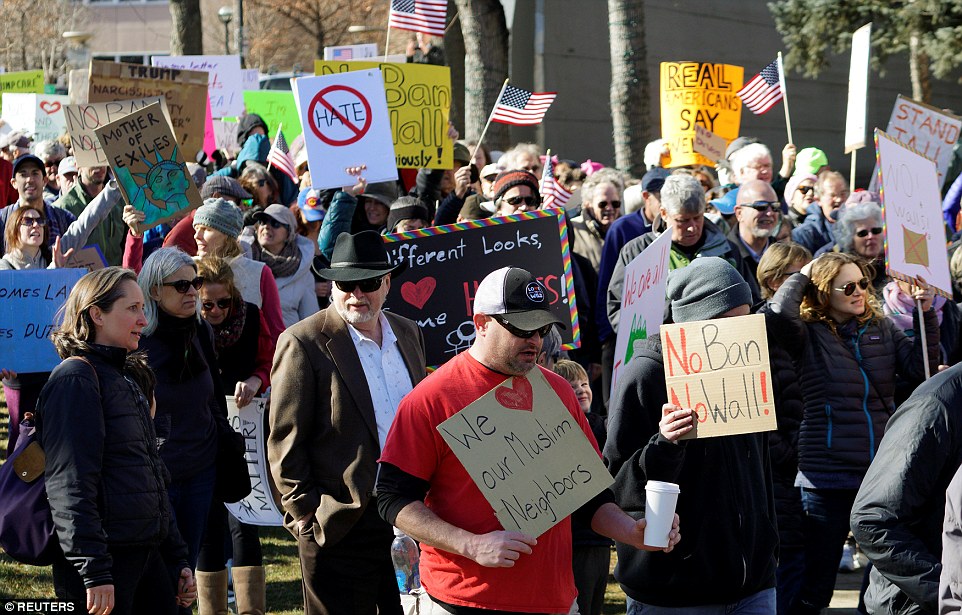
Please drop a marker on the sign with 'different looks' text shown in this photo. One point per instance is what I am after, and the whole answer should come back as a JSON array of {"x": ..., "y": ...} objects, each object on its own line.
[
  {"x": 719, "y": 368},
  {"x": 526, "y": 453},
  {"x": 29, "y": 302},
  {"x": 259, "y": 507}
]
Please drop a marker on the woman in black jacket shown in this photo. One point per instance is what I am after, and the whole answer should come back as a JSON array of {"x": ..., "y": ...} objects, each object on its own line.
[{"x": 104, "y": 477}]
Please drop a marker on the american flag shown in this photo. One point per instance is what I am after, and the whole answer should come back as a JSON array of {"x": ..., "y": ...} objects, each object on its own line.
[
  {"x": 425, "y": 16},
  {"x": 553, "y": 194},
  {"x": 343, "y": 54},
  {"x": 763, "y": 91},
  {"x": 521, "y": 107},
  {"x": 280, "y": 157}
]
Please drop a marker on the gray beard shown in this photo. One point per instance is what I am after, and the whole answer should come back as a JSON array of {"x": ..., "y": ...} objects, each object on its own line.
[{"x": 354, "y": 318}]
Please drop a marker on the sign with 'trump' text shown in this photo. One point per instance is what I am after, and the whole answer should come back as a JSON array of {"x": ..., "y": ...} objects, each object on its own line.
[{"x": 719, "y": 368}]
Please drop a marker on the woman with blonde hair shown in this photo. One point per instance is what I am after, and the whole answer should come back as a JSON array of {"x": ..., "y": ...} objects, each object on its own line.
[
  {"x": 105, "y": 480},
  {"x": 780, "y": 262},
  {"x": 847, "y": 357}
]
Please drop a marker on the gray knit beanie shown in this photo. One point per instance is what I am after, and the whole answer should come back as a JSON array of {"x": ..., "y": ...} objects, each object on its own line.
[
  {"x": 705, "y": 289},
  {"x": 220, "y": 215}
]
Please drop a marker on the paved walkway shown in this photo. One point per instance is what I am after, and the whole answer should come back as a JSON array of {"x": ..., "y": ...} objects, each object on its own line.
[{"x": 847, "y": 586}]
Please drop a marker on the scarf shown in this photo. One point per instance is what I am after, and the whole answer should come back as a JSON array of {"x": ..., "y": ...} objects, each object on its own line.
[
  {"x": 899, "y": 307},
  {"x": 282, "y": 265},
  {"x": 179, "y": 334},
  {"x": 229, "y": 331}
]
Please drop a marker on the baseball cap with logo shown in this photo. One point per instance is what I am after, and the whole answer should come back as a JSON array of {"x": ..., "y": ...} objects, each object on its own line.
[{"x": 516, "y": 296}]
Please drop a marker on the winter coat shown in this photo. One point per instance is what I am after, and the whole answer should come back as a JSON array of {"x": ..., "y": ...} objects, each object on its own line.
[
  {"x": 897, "y": 515},
  {"x": 298, "y": 298},
  {"x": 110, "y": 234},
  {"x": 105, "y": 480},
  {"x": 726, "y": 505},
  {"x": 815, "y": 232},
  {"x": 950, "y": 583},
  {"x": 847, "y": 379}
]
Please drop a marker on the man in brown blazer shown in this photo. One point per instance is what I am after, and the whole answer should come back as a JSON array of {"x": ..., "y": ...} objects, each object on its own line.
[{"x": 338, "y": 377}]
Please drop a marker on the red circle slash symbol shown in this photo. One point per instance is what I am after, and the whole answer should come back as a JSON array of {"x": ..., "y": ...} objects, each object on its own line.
[{"x": 342, "y": 109}]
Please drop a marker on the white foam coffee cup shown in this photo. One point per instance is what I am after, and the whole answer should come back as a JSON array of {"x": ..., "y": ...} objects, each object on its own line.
[{"x": 660, "y": 500}]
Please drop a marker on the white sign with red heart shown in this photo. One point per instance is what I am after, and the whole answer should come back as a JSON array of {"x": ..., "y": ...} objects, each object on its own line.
[{"x": 41, "y": 115}]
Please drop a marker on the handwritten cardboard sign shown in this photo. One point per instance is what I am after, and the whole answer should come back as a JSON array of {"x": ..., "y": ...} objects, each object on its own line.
[
  {"x": 912, "y": 208},
  {"x": 526, "y": 453},
  {"x": 82, "y": 120},
  {"x": 346, "y": 124},
  {"x": 447, "y": 263},
  {"x": 258, "y": 508},
  {"x": 146, "y": 160},
  {"x": 29, "y": 301},
  {"x": 708, "y": 144},
  {"x": 698, "y": 93},
  {"x": 89, "y": 258},
  {"x": 184, "y": 90},
  {"x": 418, "y": 101},
  {"x": 39, "y": 114},
  {"x": 28, "y": 81},
  {"x": 642, "y": 302},
  {"x": 225, "y": 79},
  {"x": 719, "y": 368},
  {"x": 931, "y": 132},
  {"x": 276, "y": 107}
]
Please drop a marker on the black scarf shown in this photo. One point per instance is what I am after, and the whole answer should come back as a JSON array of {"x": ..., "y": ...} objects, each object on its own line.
[{"x": 179, "y": 333}]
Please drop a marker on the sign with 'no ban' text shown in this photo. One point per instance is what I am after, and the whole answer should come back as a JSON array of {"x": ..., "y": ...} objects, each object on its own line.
[
  {"x": 720, "y": 369},
  {"x": 345, "y": 124}
]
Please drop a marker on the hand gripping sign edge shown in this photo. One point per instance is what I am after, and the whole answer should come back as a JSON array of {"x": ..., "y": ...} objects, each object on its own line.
[{"x": 358, "y": 132}]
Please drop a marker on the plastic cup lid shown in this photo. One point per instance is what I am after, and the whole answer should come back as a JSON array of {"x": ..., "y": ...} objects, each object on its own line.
[{"x": 663, "y": 487}]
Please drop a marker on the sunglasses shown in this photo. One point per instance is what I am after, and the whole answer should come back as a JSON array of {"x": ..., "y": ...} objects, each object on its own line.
[
  {"x": 517, "y": 200},
  {"x": 604, "y": 204},
  {"x": 182, "y": 286},
  {"x": 806, "y": 189},
  {"x": 222, "y": 304},
  {"x": 52, "y": 164},
  {"x": 271, "y": 222},
  {"x": 33, "y": 221},
  {"x": 865, "y": 231},
  {"x": 367, "y": 286},
  {"x": 513, "y": 330},
  {"x": 763, "y": 206},
  {"x": 849, "y": 288}
]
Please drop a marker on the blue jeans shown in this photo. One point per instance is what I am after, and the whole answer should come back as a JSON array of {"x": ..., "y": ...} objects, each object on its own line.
[
  {"x": 190, "y": 503},
  {"x": 789, "y": 576},
  {"x": 827, "y": 513},
  {"x": 761, "y": 603}
]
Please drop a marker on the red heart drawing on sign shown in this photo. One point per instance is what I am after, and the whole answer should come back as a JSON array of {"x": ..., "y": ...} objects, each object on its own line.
[
  {"x": 50, "y": 106},
  {"x": 417, "y": 294},
  {"x": 517, "y": 398}
]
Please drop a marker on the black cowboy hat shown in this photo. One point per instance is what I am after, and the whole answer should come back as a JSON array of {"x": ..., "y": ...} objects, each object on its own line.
[{"x": 359, "y": 257}]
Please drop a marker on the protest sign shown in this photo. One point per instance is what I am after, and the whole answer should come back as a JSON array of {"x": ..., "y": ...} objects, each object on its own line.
[
  {"x": 720, "y": 369},
  {"x": 708, "y": 144},
  {"x": 643, "y": 300},
  {"x": 912, "y": 208},
  {"x": 346, "y": 125},
  {"x": 259, "y": 507},
  {"x": 78, "y": 83},
  {"x": 39, "y": 114},
  {"x": 446, "y": 264},
  {"x": 418, "y": 101},
  {"x": 351, "y": 52},
  {"x": 90, "y": 258},
  {"x": 931, "y": 132},
  {"x": 225, "y": 80},
  {"x": 146, "y": 160},
  {"x": 184, "y": 90},
  {"x": 698, "y": 93},
  {"x": 83, "y": 120},
  {"x": 29, "y": 301},
  {"x": 526, "y": 453},
  {"x": 250, "y": 79},
  {"x": 28, "y": 81},
  {"x": 225, "y": 136},
  {"x": 276, "y": 107},
  {"x": 858, "y": 89}
]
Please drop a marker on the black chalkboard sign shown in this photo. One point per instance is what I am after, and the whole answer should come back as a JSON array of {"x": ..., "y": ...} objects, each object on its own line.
[{"x": 447, "y": 263}]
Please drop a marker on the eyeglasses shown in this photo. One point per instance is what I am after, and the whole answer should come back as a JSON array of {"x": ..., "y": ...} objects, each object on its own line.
[
  {"x": 513, "y": 330},
  {"x": 33, "y": 221},
  {"x": 367, "y": 286},
  {"x": 222, "y": 304},
  {"x": 806, "y": 189},
  {"x": 865, "y": 231},
  {"x": 849, "y": 288},
  {"x": 604, "y": 204},
  {"x": 763, "y": 206},
  {"x": 517, "y": 200},
  {"x": 271, "y": 222},
  {"x": 52, "y": 163},
  {"x": 182, "y": 286}
]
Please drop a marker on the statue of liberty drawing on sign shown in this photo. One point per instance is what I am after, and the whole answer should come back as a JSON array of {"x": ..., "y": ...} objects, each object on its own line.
[{"x": 161, "y": 192}]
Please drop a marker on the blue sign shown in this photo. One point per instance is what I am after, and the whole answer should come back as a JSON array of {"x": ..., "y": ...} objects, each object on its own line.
[{"x": 29, "y": 302}]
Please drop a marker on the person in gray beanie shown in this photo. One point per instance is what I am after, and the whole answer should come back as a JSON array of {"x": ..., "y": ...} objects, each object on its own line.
[
  {"x": 726, "y": 485},
  {"x": 221, "y": 215}
]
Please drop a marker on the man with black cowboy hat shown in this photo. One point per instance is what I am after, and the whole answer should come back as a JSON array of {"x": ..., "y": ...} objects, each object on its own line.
[
  {"x": 468, "y": 562},
  {"x": 337, "y": 380}
]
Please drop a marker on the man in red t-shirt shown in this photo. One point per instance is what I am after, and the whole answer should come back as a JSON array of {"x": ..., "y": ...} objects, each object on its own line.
[{"x": 468, "y": 561}]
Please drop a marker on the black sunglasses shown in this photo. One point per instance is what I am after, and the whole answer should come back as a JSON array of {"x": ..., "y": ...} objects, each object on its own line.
[
  {"x": 806, "y": 189},
  {"x": 517, "y": 200},
  {"x": 849, "y": 288},
  {"x": 29, "y": 221},
  {"x": 182, "y": 286},
  {"x": 222, "y": 304},
  {"x": 763, "y": 206},
  {"x": 367, "y": 286},
  {"x": 865, "y": 231},
  {"x": 271, "y": 222},
  {"x": 614, "y": 204},
  {"x": 513, "y": 330}
]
